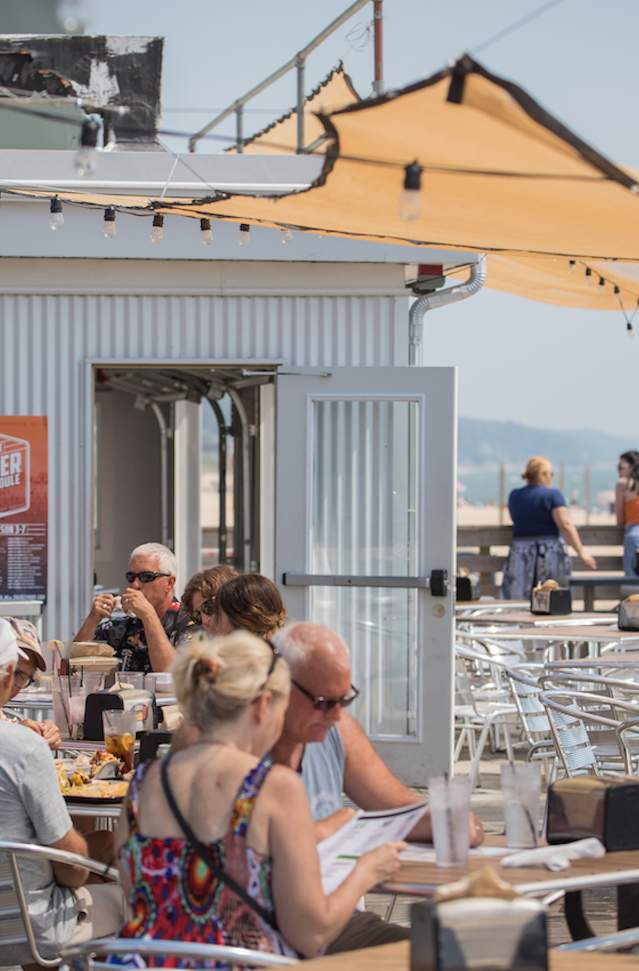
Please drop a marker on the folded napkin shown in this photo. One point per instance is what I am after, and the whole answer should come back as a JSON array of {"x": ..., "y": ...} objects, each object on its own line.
[{"x": 557, "y": 857}]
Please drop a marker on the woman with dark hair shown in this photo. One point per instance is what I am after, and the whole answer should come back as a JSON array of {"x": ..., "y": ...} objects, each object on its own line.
[
  {"x": 627, "y": 508},
  {"x": 198, "y": 599},
  {"x": 249, "y": 602}
]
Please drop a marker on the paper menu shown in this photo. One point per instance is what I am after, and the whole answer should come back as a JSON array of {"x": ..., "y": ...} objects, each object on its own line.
[{"x": 366, "y": 831}]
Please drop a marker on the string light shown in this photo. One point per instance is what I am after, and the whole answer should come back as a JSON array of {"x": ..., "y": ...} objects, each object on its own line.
[
  {"x": 86, "y": 157},
  {"x": 108, "y": 226},
  {"x": 410, "y": 204},
  {"x": 571, "y": 265},
  {"x": 157, "y": 229},
  {"x": 206, "y": 233},
  {"x": 56, "y": 216},
  {"x": 286, "y": 237},
  {"x": 602, "y": 282},
  {"x": 588, "y": 272},
  {"x": 244, "y": 234}
]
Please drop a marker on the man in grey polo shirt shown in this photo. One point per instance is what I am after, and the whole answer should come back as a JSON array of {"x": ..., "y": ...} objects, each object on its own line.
[{"x": 32, "y": 810}]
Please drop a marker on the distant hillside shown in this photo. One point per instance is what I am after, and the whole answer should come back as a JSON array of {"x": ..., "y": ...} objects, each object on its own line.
[{"x": 491, "y": 442}]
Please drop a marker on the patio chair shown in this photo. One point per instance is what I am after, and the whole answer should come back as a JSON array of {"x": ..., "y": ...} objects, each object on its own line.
[
  {"x": 587, "y": 740},
  {"x": 533, "y": 717},
  {"x": 607, "y": 943},
  {"x": 81, "y": 957},
  {"x": 15, "y": 919},
  {"x": 476, "y": 716}
]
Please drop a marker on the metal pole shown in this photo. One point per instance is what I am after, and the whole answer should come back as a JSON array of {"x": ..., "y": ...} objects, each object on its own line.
[
  {"x": 562, "y": 477},
  {"x": 221, "y": 482},
  {"x": 587, "y": 491},
  {"x": 300, "y": 65},
  {"x": 378, "y": 35},
  {"x": 502, "y": 492},
  {"x": 164, "y": 471},
  {"x": 239, "y": 128}
]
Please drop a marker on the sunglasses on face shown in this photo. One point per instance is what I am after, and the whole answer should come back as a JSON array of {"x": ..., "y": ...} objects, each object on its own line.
[
  {"x": 144, "y": 576},
  {"x": 22, "y": 679},
  {"x": 320, "y": 703},
  {"x": 206, "y": 607},
  {"x": 274, "y": 659}
]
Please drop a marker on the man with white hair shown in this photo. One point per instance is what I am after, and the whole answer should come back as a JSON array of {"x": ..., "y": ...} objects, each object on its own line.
[
  {"x": 32, "y": 810},
  {"x": 334, "y": 755},
  {"x": 143, "y": 637}
]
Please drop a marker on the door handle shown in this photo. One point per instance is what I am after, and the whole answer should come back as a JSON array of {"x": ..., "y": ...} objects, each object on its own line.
[{"x": 438, "y": 583}]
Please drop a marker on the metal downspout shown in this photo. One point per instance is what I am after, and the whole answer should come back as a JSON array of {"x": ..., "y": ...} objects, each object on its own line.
[
  {"x": 164, "y": 468},
  {"x": 441, "y": 298},
  {"x": 246, "y": 483}
]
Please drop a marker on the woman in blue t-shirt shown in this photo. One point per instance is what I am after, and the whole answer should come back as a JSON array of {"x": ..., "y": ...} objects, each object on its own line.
[{"x": 541, "y": 523}]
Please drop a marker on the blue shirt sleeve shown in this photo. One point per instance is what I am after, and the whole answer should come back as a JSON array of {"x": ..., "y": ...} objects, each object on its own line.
[{"x": 557, "y": 499}]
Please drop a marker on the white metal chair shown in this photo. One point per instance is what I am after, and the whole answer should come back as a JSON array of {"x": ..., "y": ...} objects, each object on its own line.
[
  {"x": 533, "y": 717},
  {"x": 82, "y": 957},
  {"x": 608, "y": 943},
  {"x": 15, "y": 920}
]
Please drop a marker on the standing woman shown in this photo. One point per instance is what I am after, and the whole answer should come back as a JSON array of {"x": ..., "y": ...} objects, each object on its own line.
[
  {"x": 541, "y": 528},
  {"x": 627, "y": 508}
]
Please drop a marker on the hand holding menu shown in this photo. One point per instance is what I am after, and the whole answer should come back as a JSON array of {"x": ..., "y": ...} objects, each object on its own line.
[{"x": 366, "y": 831}]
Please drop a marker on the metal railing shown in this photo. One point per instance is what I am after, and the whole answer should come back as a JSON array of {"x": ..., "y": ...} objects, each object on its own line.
[{"x": 298, "y": 61}]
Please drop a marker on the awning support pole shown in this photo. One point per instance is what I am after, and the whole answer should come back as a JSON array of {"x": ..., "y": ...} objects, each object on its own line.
[
  {"x": 300, "y": 64},
  {"x": 441, "y": 298},
  {"x": 378, "y": 38}
]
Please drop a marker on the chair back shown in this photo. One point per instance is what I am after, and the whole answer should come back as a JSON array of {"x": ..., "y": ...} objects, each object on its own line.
[
  {"x": 525, "y": 691},
  {"x": 571, "y": 738},
  {"x": 12, "y": 933},
  {"x": 81, "y": 957}
]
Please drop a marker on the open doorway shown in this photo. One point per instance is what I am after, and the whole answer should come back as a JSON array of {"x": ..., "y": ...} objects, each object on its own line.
[{"x": 178, "y": 459}]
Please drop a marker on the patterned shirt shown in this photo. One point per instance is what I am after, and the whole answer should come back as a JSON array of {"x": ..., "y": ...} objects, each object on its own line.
[{"x": 127, "y": 637}]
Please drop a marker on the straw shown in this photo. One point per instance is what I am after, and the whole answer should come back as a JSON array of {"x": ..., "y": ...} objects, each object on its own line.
[{"x": 449, "y": 819}]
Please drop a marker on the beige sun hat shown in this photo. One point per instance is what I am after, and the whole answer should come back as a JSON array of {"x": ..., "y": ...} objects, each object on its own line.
[{"x": 28, "y": 640}]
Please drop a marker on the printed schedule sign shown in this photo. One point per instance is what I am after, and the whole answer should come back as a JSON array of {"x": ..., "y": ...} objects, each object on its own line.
[{"x": 23, "y": 507}]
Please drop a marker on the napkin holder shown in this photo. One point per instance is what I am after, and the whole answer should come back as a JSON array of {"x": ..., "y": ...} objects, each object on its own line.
[
  {"x": 127, "y": 699},
  {"x": 584, "y": 806},
  {"x": 467, "y": 588},
  {"x": 628, "y": 618},
  {"x": 483, "y": 924},
  {"x": 556, "y": 601}
]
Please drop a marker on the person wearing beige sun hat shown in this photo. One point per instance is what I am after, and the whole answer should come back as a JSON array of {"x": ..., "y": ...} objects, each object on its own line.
[{"x": 31, "y": 658}]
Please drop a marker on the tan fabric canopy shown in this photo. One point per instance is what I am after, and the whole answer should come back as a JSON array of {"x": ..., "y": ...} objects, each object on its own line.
[
  {"x": 280, "y": 138},
  {"x": 501, "y": 176}
]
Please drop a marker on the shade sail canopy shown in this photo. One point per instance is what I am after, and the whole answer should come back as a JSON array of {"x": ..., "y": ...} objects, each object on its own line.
[
  {"x": 501, "y": 176},
  {"x": 335, "y": 91}
]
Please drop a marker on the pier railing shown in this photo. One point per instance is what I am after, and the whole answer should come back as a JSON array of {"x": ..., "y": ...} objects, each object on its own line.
[{"x": 483, "y": 550}]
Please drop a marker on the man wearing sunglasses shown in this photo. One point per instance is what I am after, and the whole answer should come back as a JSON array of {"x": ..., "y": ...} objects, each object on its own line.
[
  {"x": 143, "y": 635},
  {"x": 334, "y": 755}
]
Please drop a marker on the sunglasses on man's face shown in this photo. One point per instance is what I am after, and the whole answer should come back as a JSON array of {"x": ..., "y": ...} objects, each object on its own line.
[
  {"x": 320, "y": 703},
  {"x": 144, "y": 576}
]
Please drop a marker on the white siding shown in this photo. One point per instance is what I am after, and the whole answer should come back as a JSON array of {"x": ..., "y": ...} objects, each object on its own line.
[{"x": 47, "y": 341}]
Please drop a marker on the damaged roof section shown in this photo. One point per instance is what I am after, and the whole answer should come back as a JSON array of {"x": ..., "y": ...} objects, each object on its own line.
[{"x": 103, "y": 72}]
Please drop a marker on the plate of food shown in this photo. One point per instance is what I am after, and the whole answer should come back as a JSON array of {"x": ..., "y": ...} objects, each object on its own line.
[{"x": 99, "y": 779}]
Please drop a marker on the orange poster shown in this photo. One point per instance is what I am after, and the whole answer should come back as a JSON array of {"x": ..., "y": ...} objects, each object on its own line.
[{"x": 23, "y": 507}]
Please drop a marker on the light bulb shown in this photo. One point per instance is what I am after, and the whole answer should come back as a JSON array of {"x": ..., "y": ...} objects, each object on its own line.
[
  {"x": 108, "y": 226},
  {"x": 206, "y": 233},
  {"x": 286, "y": 237},
  {"x": 630, "y": 329},
  {"x": 602, "y": 282},
  {"x": 244, "y": 234},
  {"x": 410, "y": 202},
  {"x": 86, "y": 156},
  {"x": 572, "y": 264},
  {"x": 588, "y": 274},
  {"x": 56, "y": 216},
  {"x": 157, "y": 230}
]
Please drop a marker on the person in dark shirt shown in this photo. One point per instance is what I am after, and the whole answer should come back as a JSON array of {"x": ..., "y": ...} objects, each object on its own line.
[
  {"x": 143, "y": 637},
  {"x": 541, "y": 523}
]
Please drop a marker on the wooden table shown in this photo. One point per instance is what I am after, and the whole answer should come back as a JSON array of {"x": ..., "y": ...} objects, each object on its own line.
[
  {"x": 396, "y": 957},
  {"x": 525, "y": 618}
]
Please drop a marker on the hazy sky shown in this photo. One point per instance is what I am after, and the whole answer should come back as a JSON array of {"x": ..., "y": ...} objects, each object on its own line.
[{"x": 518, "y": 360}]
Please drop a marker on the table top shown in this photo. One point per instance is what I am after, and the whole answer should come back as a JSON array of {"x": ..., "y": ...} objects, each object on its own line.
[
  {"x": 594, "y": 632},
  {"x": 396, "y": 957},
  {"x": 528, "y": 619},
  {"x": 423, "y": 878},
  {"x": 490, "y": 603},
  {"x": 616, "y": 659}
]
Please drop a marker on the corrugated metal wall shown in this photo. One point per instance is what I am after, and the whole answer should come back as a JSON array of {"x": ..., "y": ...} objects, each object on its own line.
[{"x": 47, "y": 340}]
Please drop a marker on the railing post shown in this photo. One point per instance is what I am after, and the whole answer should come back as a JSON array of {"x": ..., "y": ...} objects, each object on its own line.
[
  {"x": 300, "y": 65},
  {"x": 502, "y": 493},
  {"x": 486, "y": 579},
  {"x": 239, "y": 128},
  {"x": 378, "y": 40}
]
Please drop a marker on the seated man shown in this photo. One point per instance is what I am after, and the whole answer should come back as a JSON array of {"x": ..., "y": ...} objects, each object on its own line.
[
  {"x": 143, "y": 637},
  {"x": 32, "y": 810},
  {"x": 334, "y": 756},
  {"x": 29, "y": 644}
]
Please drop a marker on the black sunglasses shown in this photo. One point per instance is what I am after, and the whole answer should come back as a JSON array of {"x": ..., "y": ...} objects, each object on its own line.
[
  {"x": 274, "y": 659},
  {"x": 144, "y": 576},
  {"x": 320, "y": 703},
  {"x": 206, "y": 607}
]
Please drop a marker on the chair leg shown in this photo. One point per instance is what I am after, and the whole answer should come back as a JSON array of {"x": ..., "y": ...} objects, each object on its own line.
[{"x": 474, "y": 766}]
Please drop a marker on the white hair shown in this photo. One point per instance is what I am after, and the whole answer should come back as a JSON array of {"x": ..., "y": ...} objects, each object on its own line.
[
  {"x": 297, "y": 642},
  {"x": 166, "y": 558}
]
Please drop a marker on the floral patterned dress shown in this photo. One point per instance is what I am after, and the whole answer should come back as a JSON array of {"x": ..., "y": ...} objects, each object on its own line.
[{"x": 177, "y": 896}]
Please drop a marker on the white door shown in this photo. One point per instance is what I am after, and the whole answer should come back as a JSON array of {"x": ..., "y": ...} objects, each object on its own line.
[{"x": 365, "y": 510}]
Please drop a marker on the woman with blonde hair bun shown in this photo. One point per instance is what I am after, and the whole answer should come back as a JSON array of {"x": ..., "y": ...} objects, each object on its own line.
[
  {"x": 217, "y": 844},
  {"x": 541, "y": 528}
]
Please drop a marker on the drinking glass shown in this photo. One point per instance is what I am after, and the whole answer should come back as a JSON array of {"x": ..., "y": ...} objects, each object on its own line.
[
  {"x": 120, "y": 727},
  {"x": 450, "y": 819},
  {"x": 521, "y": 789}
]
